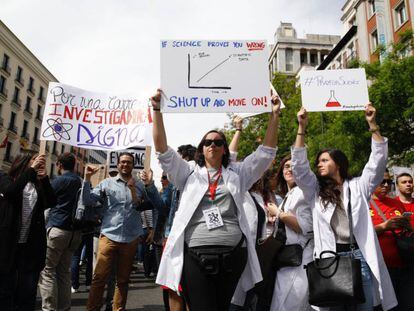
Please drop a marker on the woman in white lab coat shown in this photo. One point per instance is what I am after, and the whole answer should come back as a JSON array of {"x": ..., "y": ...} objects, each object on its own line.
[
  {"x": 330, "y": 221},
  {"x": 212, "y": 191},
  {"x": 291, "y": 286}
]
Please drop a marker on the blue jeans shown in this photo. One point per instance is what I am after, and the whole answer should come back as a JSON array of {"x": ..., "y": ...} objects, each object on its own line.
[
  {"x": 18, "y": 287},
  {"x": 367, "y": 285},
  {"x": 87, "y": 241}
]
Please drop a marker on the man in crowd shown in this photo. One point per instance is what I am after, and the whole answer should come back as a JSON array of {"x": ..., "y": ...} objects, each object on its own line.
[
  {"x": 387, "y": 216},
  {"x": 121, "y": 197},
  {"x": 405, "y": 187},
  {"x": 62, "y": 238}
]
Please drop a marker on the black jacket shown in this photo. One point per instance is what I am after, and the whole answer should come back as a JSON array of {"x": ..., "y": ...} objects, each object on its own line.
[{"x": 10, "y": 220}]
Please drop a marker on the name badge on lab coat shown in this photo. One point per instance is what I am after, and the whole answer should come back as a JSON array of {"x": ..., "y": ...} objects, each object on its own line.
[{"x": 213, "y": 218}]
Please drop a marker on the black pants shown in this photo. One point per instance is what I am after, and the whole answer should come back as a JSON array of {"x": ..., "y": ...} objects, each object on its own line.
[
  {"x": 18, "y": 287},
  {"x": 211, "y": 293}
]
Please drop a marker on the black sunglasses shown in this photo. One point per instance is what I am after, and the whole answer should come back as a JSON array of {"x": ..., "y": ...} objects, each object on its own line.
[
  {"x": 217, "y": 142},
  {"x": 164, "y": 177},
  {"x": 386, "y": 181}
]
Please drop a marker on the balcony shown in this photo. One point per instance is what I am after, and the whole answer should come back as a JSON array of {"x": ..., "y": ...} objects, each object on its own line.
[
  {"x": 26, "y": 136},
  {"x": 3, "y": 93},
  {"x": 19, "y": 81},
  {"x": 30, "y": 91},
  {"x": 12, "y": 129},
  {"x": 28, "y": 110},
  {"x": 39, "y": 118},
  {"x": 8, "y": 158},
  {"x": 5, "y": 69},
  {"x": 17, "y": 103}
]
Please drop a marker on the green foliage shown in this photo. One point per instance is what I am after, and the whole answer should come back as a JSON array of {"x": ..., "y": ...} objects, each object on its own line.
[{"x": 391, "y": 92}]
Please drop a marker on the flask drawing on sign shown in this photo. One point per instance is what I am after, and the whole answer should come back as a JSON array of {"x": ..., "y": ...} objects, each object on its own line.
[{"x": 332, "y": 101}]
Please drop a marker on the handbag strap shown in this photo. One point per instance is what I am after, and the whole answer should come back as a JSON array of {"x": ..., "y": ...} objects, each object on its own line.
[
  {"x": 277, "y": 222},
  {"x": 351, "y": 224},
  {"x": 375, "y": 205}
]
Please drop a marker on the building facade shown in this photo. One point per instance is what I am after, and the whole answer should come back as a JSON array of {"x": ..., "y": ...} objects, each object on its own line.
[
  {"x": 290, "y": 53},
  {"x": 24, "y": 82},
  {"x": 368, "y": 24}
]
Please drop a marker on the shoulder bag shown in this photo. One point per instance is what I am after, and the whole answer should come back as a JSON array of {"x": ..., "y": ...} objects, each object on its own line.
[
  {"x": 404, "y": 239},
  {"x": 336, "y": 280}
]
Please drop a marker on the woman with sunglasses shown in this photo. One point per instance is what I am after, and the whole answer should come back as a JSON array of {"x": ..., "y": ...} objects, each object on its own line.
[
  {"x": 211, "y": 247},
  {"x": 331, "y": 187}
]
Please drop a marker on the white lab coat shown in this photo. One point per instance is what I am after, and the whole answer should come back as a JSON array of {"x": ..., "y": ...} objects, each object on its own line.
[
  {"x": 291, "y": 287},
  {"x": 365, "y": 235},
  {"x": 193, "y": 181}
]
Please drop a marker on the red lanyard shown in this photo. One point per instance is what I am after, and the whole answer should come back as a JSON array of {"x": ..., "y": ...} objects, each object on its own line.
[{"x": 212, "y": 187}]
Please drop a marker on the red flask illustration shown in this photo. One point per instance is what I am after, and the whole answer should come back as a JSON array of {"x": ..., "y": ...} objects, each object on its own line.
[{"x": 333, "y": 102}]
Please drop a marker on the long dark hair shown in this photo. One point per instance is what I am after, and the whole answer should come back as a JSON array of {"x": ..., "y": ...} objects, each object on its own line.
[
  {"x": 267, "y": 191},
  {"x": 329, "y": 190},
  {"x": 281, "y": 185},
  {"x": 19, "y": 165},
  {"x": 199, "y": 157}
]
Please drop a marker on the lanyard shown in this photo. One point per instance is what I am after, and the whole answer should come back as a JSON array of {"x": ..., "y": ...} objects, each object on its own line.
[{"x": 212, "y": 187}]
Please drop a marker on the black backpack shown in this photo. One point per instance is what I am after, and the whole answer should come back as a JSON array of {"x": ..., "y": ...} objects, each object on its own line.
[{"x": 85, "y": 216}]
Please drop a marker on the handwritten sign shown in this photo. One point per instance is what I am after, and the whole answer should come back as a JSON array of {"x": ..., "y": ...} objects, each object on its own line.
[
  {"x": 137, "y": 152},
  {"x": 95, "y": 121},
  {"x": 334, "y": 90},
  {"x": 214, "y": 76}
]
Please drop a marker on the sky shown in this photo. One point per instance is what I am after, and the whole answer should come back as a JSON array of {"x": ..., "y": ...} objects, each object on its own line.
[{"x": 113, "y": 46}]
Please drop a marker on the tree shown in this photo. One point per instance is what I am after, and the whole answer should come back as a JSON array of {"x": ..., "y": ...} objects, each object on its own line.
[{"x": 391, "y": 92}]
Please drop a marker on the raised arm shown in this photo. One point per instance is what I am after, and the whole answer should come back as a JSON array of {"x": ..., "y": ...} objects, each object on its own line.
[
  {"x": 271, "y": 136},
  {"x": 304, "y": 177},
  {"x": 158, "y": 129},
  {"x": 238, "y": 125},
  {"x": 374, "y": 170},
  {"x": 91, "y": 197}
]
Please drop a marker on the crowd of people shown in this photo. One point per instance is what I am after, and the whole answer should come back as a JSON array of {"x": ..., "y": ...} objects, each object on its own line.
[{"x": 201, "y": 233}]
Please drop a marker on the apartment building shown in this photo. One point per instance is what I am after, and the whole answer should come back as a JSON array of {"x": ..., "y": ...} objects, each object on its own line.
[
  {"x": 24, "y": 82},
  {"x": 290, "y": 53},
  {"x": 368, "y": 23}
]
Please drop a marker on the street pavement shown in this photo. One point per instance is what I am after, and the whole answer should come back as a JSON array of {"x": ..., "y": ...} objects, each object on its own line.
[{"x": 143, "y": 294}]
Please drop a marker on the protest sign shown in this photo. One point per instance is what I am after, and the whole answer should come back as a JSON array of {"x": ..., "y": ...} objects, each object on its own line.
[
  {"x": 214, "y": 76},
  {"x": 137, "y": 152},
  {"x": 95, "y": 121},
  {"x": 334, "y": 90}
]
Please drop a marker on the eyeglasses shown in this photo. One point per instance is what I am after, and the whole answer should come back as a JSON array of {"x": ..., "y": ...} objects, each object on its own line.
[
  {"x": 217, "y": 142},
  {"x": 386, "y": 181}
]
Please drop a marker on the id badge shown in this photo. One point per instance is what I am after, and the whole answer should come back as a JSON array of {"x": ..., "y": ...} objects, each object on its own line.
[{"x": 213, "y": 218}]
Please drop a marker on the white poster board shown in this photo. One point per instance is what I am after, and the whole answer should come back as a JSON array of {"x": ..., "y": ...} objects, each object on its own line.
[
  {"x": 214, "y": 76},
  {"x": 137, "y": 152},
  {"x": 93, "y": 120},
  {"x": 334, "y": 90}
]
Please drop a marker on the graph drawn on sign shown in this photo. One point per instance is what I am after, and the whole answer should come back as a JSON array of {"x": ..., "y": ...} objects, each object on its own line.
[{"x": 196, "y": 79}]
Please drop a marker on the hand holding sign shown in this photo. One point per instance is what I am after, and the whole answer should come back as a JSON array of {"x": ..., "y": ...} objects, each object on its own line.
[
  {"x": 370, "y": 113},
  {"x": 156, "y": 99},
  {"x": 303, "y": 117},
  {"x": 90, "y": 171},
  {"x": 276, "y": 103},
  {"x": 238, "y": 122},
  {"x": 146, "y": 176}
]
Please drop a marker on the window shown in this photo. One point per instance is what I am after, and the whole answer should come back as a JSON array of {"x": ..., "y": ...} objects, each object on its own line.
[
  {"x": 289, "y": 59},
  {"x": 303, "y": 58},
  {"x": 31, "y": 82},
  {"x": 16, "y": 95},
  {"x": 400, "y": 14},
  {"x": 19, "y": 74},
  {"x": 313, "y": 59},
  {"x": 12, "y": 126},
  {"x": 24, "y": 130},
  {"x": 28, "y": 106},
  {"x": 374, "y": 40},
  {"x": 7, "y": 156},
  {"x": 62, "y": 149},
  {"x": 39, "y": 112},
  {"x": 3, "y": 85},
  {"x": 54, "y": 147},
  {"x": 5, "y": 64},
  {"x": 371, "y": 7},
  {"x": 35, "y": 136},
  {"x": 52, "y": 169},
  {"x": 41, "y": 90}
]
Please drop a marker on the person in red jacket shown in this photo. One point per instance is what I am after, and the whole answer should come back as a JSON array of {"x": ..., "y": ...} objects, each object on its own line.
[{"x": 386, "y": 214}]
